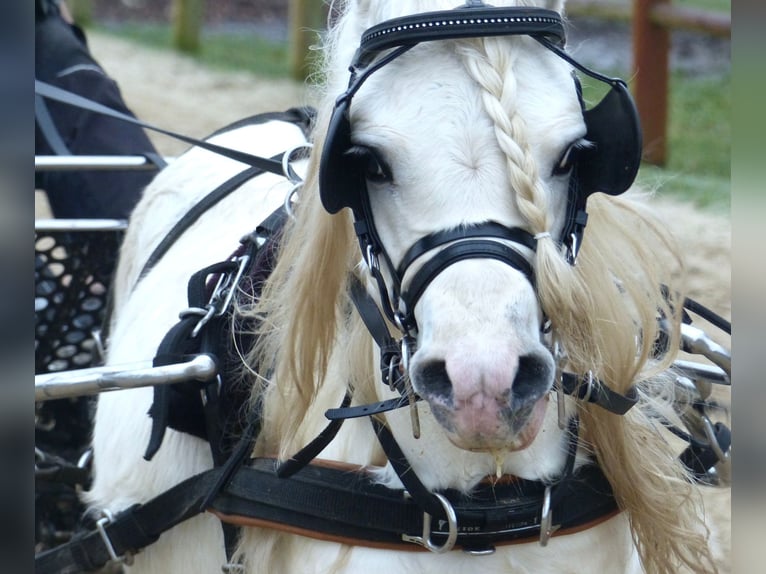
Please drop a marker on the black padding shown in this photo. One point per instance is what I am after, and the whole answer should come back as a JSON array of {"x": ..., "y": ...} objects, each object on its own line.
[
  {"x": 611, "y": 165},
  {"x": 338, "y": 181}
]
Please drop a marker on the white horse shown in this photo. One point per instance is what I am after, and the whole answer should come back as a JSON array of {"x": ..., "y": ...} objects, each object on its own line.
[{"x": 450, "y": 135}]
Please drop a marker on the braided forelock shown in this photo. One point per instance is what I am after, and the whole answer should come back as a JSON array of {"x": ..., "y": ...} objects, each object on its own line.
[
  {"x": 490, "y": 63},
  {"x": 562, "y": 293}
]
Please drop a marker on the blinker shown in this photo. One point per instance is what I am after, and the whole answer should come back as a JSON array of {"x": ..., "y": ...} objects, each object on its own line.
[{"x": 611, "y": 165}]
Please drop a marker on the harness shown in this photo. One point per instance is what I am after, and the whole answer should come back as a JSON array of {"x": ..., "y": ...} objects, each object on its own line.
[
  {"x": 334, "y": 501},
  {"x": 328, "y": 500}
]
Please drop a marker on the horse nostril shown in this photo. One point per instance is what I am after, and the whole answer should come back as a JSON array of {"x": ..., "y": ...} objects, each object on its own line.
[
  {"x": 531, "y": 381},
  {"x": 433, "y": 378}
]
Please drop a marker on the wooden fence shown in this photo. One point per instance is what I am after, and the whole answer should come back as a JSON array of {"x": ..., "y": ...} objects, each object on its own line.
[{"x": 652, "y": 22}]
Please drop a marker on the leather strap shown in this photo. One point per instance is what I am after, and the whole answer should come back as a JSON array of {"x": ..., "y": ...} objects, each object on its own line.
[
  {"x": 54, "y": 93},
  {"x": 599, "y": 394},
  {"x": 48, "y": 127},
  {"x": 468, "y": 249},
  {"x": 338, "y": 502},
  {"x": 133, "y": 529},
  {"x": 469, "y": 22},
  {"x": 327, "y": 503},
  {"x": 198, "y": 210},
  {"x": 483, "y": 230}
]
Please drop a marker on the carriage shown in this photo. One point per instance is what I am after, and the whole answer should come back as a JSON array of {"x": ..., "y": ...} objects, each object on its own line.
[{"x": 375, "y": 334}]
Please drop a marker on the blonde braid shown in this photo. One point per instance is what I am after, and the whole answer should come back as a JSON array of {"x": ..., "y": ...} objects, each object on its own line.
[
  {"x": 560, "y": 289},
  {"x": 598, "y": 326}
]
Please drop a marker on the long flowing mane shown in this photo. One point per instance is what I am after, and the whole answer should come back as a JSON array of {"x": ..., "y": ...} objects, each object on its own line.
[{"x": 599, "y": 310}]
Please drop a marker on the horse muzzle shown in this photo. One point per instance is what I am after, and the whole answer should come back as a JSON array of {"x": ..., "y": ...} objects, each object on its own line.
[{"x": 487, "y": 401}]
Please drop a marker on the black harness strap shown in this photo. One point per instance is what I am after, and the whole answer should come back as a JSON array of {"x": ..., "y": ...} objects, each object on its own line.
[
  {"x": 200, "y": 208},
  {"x": 48, "y": 127},
  {"x": 336, "y": 502},
  {"x": 129, "y": 531},
  {"x": 316, "y": 446},
  {"x": 470, "y": 249},
  {"x": 339, "y": 502},
  {"x": 594, "y": 392},
  {"x": 54, "y": 93}
]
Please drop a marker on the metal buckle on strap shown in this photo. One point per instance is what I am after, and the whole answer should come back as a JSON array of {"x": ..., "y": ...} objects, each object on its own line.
[
  {"x": 107, "y": 518},
  {"x": 221, "y": 297},
  {"x": 425, "y": 540},
  {"x": 287, "y": 158},
  {"x": 707, "y": 427},
  {"x": 547, "y": 528}
]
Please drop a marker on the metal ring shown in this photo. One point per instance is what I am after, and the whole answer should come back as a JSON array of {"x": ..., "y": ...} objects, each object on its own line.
[
  {"x": 589, "y": 381},
  {"x": 425, "y": 540},
  {"x": 86, "y": 458},
  {"x": 289, "y": 199},
  {"x": 406, "y": 345},
  {"x": 546, "y": 519},
  {"x": 707, "y": 426},
  {"x": 392, "y": 365},
  {"x": 107, "y": 518},
  {"x": 287, "y": 169}
]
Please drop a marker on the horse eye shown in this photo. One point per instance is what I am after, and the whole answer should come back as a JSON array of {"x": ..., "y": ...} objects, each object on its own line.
[
  {"x": 566, "y": 161},
  {"x": 369, "y": 163}
]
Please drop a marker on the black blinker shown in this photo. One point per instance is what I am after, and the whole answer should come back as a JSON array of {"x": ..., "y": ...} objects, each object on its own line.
[
  {"x": 337, "y": 187},
  {"x": 611, "y": 165}
]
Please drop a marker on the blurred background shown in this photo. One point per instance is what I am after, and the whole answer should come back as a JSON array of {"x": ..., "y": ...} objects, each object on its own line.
[{"x": 676, "y": 55}]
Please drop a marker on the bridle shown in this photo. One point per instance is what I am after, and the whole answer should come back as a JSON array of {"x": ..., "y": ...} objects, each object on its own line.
[{"x": 609, "y": 166}]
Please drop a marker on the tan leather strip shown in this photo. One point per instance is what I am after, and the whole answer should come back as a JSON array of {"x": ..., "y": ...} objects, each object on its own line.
[{"x": 399, "y": 546}]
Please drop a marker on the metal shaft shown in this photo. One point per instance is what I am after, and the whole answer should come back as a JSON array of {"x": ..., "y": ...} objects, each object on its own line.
[{"x": 118, "y": 377}]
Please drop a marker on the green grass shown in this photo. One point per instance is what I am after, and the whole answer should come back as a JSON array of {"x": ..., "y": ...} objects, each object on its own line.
[
  {"x": 234, "y": 52},
  {"x": 716, "y": 5},
  {"x": 698, "y": 165},
  {"x": 699, "y": 143}
]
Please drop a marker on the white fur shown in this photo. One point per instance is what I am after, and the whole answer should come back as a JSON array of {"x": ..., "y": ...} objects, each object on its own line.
[
  {"x": 121, "y": 433},
  {"x": 425, "y": 114}
]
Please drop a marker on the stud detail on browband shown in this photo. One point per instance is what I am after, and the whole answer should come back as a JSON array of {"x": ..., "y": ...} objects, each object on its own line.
[{"x": 461, "y": 22}]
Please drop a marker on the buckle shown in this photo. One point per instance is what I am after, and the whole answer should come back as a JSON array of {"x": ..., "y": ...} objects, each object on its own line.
[
  {"x": 425, "y": 540},
  {"x": 106, "y": 519},
  {"x": 221, "y": 297},
  {"x": 547, "y": 528}
]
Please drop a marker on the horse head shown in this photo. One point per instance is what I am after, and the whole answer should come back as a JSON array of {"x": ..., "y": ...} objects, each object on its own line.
[{"x": 454, "y": 145}]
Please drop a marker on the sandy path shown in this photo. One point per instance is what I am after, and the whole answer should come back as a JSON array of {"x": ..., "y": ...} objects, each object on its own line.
[{"x": 174, "y": 92}]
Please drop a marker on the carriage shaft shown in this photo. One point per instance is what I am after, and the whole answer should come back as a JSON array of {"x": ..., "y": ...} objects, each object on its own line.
[
  {"x": 94, "y": 162},
  {"x": 119, "y": 377}
]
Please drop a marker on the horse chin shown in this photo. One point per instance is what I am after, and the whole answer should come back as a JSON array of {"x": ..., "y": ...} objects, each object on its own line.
[{"x": 512, "y": 433}]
